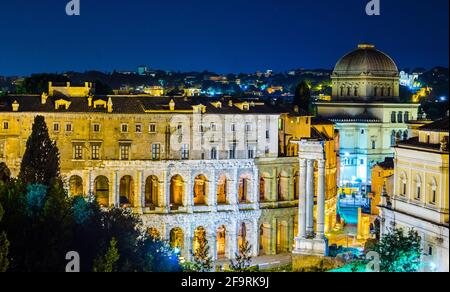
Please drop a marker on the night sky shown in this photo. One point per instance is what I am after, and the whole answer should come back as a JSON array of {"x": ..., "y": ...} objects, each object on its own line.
[{"x": 223, "y": 36}]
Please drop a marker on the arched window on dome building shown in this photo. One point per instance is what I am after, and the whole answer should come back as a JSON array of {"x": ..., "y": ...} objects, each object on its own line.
[
  {"x": 393, "y": 117},
  {"x": 356, "y": 91}
]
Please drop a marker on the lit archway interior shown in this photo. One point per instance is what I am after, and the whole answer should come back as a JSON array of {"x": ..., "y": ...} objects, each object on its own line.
[
  {"x": 221, "y": 241},
  {"x": 199, "y": 236},
  {"x": 177, "y": 238},
  {"x": 126, "y": 191},
  {"x": 200, "y": 190},
  {"x": 222, "y": 190},
  {"x": 101, "y": 191},
  {"x": 76, "y": 186},
  {"x": 176, "y": 192},
  {"x": 152, "y": 192}
]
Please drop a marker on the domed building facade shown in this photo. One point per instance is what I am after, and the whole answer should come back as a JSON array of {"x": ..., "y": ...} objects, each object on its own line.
[
  {"x": 366, "y": 108},
  {"x": 366, "y": 73}
]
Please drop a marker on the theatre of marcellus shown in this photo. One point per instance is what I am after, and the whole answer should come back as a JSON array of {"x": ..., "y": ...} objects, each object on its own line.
[{"x": 229, "y": 170}]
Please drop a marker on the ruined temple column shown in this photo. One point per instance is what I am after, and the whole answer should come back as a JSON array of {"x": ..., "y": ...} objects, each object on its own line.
[
  {"x": 321, "y": 201},
  {"x": 302, "y": 200},
  {"x": 310, "y": 197}
]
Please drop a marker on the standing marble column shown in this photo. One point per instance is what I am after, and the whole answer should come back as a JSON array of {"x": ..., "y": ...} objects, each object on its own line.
[
  {"x": 310, "y": 198},
  {"x": 302, "y": 200},
  {"x": 321, "y": 201}
]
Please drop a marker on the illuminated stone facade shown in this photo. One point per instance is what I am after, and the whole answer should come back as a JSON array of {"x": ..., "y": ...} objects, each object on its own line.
[
  {"x": 366, "y": 109},
  {"x": 420, "y": 196},
  {"x": 217, "y": 169}
]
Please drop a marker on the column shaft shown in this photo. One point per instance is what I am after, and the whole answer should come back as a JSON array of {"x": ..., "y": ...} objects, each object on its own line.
[
  {"x": 310, "y": 198},
  {"x": 302, "y": 200},
  {"x": 321, "y": 201}
]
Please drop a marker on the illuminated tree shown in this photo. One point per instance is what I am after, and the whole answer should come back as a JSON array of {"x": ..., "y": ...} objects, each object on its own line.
[
  {"x": 202, "y": 259},
  {"x": 243, "y": 260},
  {"x": 40, "y": 163},
  {"x": 399, "y": 251},
  {"x": 108, "y": 262}
]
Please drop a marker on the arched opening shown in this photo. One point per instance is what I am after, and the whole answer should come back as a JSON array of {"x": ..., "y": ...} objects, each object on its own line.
[
  {"x": 403, "y": 184},
  {"x": 283, "y": 187},
  {"x": 433, "y": 192},
  {"x": 222, "y": 185},
  {"x": 76, "y": 186},
  {"x": 262, "y": 189},
  {"x": 243, "y": 192},
  {"x": 242, "y": 234},
  {"x": 126, "y": 191},
  {"x": 342, "y": 91},
  {"x": 394, "y": 117},
  {"x": 264, "y": 239},
  {"x": 349, "y": 90},
  {"x": 101, "y": 191},
  {"x": 200, "y": 190},
  {"x": 221, "y": 242},
  {"x": 177, "y": 239},
  {"x": 154, "y": 233},
  {"x": 393, "y": 138},
  {"x": 199, "y": 237},
  {"x": 382, "y": 91},
  {"x": 152, "y": 192},
  {"x": 356, "y": 91},
  {"x": 296, "y": 185},
  {"x": 282, "y": 237},
  {"x": 418, "y": 194},
  {"x": 400, "y": 117},
  {"x": 375, "y": 91},
  {"x": 176, "y": 192}
]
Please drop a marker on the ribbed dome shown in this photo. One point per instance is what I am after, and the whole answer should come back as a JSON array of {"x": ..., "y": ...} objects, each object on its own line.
[{"x": 366, "y": 60}]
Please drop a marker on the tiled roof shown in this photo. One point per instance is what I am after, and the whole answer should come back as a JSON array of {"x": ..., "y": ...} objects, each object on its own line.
[
  {"x": 138, "y": 105},
  {"x": 437, "y": 126}
]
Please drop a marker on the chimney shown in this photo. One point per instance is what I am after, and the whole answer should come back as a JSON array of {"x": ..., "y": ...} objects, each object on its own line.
[
  {"x": 44, "y": 98},
  {"x": 15, "y": 106},
  {"x": 110, "y": 105},
  {"x": 89, "y": 100}
]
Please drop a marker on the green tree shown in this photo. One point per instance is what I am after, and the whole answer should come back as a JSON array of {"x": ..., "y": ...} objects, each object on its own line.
[
  {"x": 399, "y": 251},
  {"x": 108, "y": 262},
  {"x": 302, "y": 97},
  {"x": 4, "y": 247},
  {"x": 5, "y": 173},
  {"x": 40, "y": 163},
  {"x": 202, "y": 259},
  {"x": 243, "y": 260}
]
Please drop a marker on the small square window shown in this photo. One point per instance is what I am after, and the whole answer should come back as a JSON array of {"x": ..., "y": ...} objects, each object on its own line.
[
  {"x": 124, "y": 128},
  {"x": 96, "y": 128},
  {"x": 95, "y": 152},
  {"x": 138, "y": 128},
  {"x": 233, "y": 128},
  {"x": 5, "y": 125},
  {"x": 78, "y": 152},
  {"x": 69, "y": 127},
  {"x": 152, "y": 128},
  {"x": 56, "y": 127}
]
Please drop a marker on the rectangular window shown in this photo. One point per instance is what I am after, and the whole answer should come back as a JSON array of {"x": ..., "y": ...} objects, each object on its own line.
[
  {"x": 156, "y": 151},
  {"x": 56, "y": 127},
  {"x": 152, "y": 128},
  {"x": 248, "y": 127},
  {"x": 213, "y": 127},
  {"x": 233, "y": 127},
  {"x": 361, "y": 162},
  {"x": 96, "y": 128},
  {"x": 374, "y": 145},
  {"x": 95, "y": 152},
  {"x": 214, "y": 153},
  {"x": 78, "y": 152},
  {"x": 69, "y": 127},
  {"x": 5, "y": 125},
  {"x": 232, "y": 152},
  {"x": 185, "y": 152},
  {"x": 125, "y": 151},
  {"x": 267, "y": 134},
  {"x": 138, "y": 128},
  {"x": 180, "y": 129},
  {"x": 251, "y": 152},
  {"x": 124, "y": 128}
]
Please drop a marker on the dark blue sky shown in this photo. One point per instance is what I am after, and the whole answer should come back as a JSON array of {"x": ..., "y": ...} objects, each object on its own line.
[{"x": 223, "y": 36}]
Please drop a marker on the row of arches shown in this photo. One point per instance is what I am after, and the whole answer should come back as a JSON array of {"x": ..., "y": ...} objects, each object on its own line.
[
  {"x": 398, "y": 136},
  {"x": 222, "y": 238},
  {"x": 283, "y": 185},
  {"x": 354, "y": 91},
  {"x": 152, "y": 198},
  {"x": 418, "y": 189}
]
